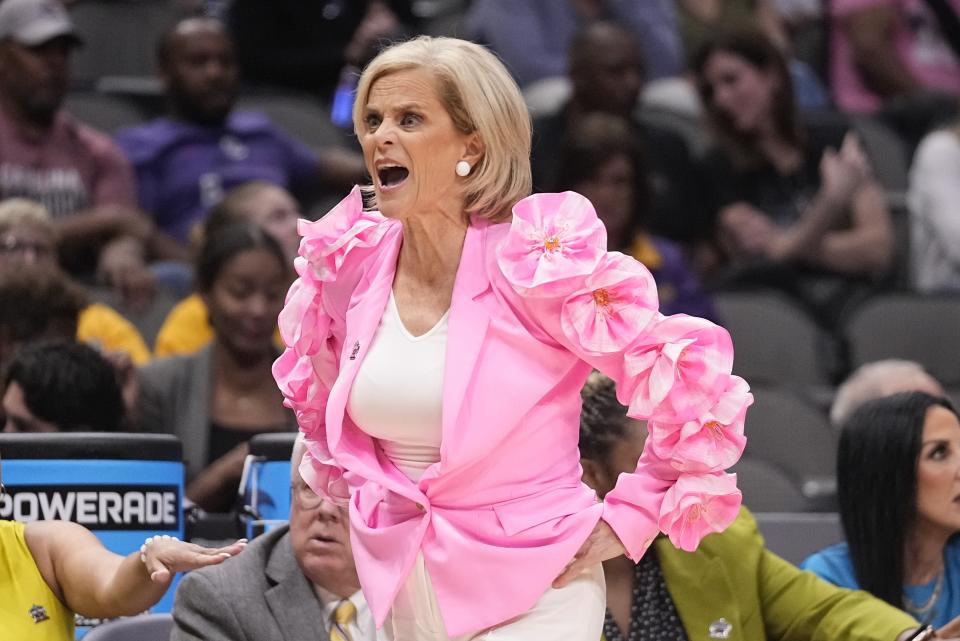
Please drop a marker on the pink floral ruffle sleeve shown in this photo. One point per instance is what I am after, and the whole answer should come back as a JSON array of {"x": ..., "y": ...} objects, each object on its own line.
[
  {"x": 308, "y": 366},
  {"x": 672, "y": 371}
]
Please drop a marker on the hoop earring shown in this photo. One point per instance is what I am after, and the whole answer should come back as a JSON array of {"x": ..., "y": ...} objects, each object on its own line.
[{"x": 463, "y": 168}]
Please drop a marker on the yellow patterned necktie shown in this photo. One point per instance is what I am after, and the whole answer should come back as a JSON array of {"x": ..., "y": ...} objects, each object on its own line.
[{"x": 342, "y": 616}]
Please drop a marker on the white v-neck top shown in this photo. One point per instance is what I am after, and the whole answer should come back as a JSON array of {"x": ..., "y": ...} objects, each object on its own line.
[{"x": 397, "y": 396}]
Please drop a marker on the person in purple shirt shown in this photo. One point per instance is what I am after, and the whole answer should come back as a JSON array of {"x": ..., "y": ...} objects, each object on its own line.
[
  {"x": 600, "y": 159},
  {"x": 184, "y": 163}
]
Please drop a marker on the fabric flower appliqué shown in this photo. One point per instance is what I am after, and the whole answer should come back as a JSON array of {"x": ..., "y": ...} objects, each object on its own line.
[
  {"x": 553, "y": 238},
  {"x": 679, "y": 369},
  {"x": 346, "y": 227},
  {"x": 698, "y": 505},
  {"x": 615, "y": 304},
  {"x": 711, "y": 443}
]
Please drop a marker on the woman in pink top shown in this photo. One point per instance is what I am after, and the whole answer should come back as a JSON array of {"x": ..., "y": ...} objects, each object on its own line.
[{"x": 497, "y": 537}]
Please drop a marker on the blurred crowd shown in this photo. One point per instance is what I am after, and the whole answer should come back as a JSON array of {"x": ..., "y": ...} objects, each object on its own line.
[{"x": 806, "y": 147}]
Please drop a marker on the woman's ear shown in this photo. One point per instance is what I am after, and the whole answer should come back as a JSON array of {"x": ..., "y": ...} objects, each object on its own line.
[{"x": 474, "y": 149}]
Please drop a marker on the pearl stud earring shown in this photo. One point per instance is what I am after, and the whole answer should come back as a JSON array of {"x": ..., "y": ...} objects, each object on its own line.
[{"x": 463, "y": 168}]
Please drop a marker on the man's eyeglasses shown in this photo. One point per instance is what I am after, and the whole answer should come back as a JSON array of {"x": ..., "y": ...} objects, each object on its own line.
[{"x": 307, "y": 498}]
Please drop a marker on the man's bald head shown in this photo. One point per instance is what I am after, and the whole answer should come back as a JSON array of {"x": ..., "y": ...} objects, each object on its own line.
[
  {"x": 606, "y": 68},
  {"x": 198, "y": 66}
]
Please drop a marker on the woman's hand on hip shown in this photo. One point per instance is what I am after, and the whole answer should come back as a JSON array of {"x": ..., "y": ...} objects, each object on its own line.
[{"x": 602, "y": 544}]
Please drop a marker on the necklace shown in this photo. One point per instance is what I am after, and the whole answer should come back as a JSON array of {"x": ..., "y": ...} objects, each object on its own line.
[{"x": 922, "y": 612}]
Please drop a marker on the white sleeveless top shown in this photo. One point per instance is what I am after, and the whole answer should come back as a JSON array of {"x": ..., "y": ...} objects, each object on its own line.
[{"x": 397, "y": 396}]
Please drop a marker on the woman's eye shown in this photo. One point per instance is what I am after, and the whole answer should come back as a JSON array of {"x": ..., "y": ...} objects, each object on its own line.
[
  {"x": 938, "y": 453},
  {"x": 409, "y": 120},
  {"x": 372, "y": 121}
]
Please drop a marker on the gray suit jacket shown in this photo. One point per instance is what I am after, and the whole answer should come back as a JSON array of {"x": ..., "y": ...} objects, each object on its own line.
[
  {"x": 260, "y": 595},
  {"x": 175, "y": 399}
]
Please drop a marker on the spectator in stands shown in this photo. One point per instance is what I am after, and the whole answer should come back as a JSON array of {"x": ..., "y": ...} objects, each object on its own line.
[
  {"x": 699, "y": 19},
  {"x": 607, "y": 74},
  {"x": 50, "y": 570},
  {"x": 898, "y": 465},
  {"x": 76, "y": 172},
  {"x": 796, "y": 206},
  {"x": 877, "y": 380},
  {"x": 219, "y": 397},
  {"x": 532, "y": 37},
  {"x": 29, "y": 237},
  {"x": 732, "y": 583},
  {"x": 61, "y": 386},
  {"x": 36, "y": 304},
  {"x": 600, "y": 159},
  {"x": 184, "y": 163},
  {"x": 896, "y": 59},
  {"x": 187, "y": 328},
  {"x": 306, "y": 45},
  {"x": 295, "y": 582},
  {"x": 934, "y": 219}
]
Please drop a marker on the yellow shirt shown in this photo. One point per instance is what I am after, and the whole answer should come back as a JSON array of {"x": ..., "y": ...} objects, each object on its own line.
[
  {"x": 29, "y": 610},
  {"x": 187, "y": 329},
  {"x": 103, "y": 327}
]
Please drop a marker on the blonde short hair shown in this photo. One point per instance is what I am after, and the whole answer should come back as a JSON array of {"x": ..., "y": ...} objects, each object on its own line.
[
  {"x": 19, "y": 212},
  {"x": 480, "y": 97}
]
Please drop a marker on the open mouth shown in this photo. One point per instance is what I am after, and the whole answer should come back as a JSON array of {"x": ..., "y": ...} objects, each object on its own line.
[{"x": 391, "y": 176}]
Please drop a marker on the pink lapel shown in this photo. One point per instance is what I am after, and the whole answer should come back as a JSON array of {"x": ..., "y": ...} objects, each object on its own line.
[{"x": 467, "y": 329}]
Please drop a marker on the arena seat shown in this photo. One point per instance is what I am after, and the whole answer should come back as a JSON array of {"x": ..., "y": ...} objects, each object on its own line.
[
  {"x": 545, "y": 97},
  {"x": 103, "y": 112},
  {"x": 766, "y": 488},
  {"x": 775, "y": 340},
  {"x": 918, "y": 328},
  {"x": 145, "y": 627},
  {"x": 790, "y": 434},
  {"x": 265, "y": 484},
  {"x": 122, "y": 487},
  {"x": 300, "y": 116},
  {"x": 794, "y": 537},
  {"x": 119, "y": 37}
]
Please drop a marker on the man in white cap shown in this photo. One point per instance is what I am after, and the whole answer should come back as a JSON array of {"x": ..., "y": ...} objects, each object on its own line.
[{"x": 76, "y": 172}]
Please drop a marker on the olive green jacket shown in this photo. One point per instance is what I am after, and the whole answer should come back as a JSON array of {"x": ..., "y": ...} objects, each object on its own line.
[{"x": 759, "y": 596}]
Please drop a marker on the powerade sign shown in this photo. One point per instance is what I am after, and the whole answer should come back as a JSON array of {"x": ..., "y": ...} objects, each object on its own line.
[
  {"x": 123, "y": 501},
  {"x": 103, "y": 507}
]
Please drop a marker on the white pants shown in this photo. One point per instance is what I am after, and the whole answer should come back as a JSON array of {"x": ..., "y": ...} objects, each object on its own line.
[{"x": 573, "y": 613}]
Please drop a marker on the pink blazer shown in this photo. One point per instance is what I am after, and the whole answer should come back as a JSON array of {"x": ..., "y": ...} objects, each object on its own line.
[{"x": 537, "y": 303}]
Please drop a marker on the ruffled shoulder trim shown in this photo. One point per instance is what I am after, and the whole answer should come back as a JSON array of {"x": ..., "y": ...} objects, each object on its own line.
[
  {"x": 327, "y": 241},
  {"x": 555, "y": 239}
]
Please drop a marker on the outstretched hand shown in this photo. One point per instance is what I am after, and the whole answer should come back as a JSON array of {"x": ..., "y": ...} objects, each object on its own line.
[
  {"x": 602, "y": 544},
  {"x": 165, "y": 557}
]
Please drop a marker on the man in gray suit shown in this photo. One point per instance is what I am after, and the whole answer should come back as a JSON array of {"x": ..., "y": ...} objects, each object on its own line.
[{"x": 293, "y": 583}]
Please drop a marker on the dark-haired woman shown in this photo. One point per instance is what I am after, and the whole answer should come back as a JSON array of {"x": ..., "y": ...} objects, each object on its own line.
[
  {"x": 219, "y": 397},
  {"x": 796, "y": 207},
  {"x": 731, "y": 587},
  {"x": 898, "y": 483}
]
